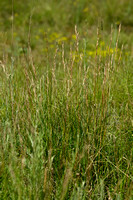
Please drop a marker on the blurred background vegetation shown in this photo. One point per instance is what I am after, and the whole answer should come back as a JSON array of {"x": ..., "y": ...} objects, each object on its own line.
[{"x": 57, "y": 19}]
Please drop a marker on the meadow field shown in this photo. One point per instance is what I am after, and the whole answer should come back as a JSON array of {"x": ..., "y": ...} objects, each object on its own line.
[{"x": 66, "y": 100}]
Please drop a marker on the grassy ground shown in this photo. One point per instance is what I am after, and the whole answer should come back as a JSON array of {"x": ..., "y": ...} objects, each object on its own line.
[{"x": 66, "y": 96}]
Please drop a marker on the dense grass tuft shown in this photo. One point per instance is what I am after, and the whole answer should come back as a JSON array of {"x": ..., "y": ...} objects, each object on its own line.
[{"x": 66, "y": 111}]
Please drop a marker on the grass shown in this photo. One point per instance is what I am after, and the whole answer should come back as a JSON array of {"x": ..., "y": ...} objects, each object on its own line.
[{"x": 66, "y": 102}]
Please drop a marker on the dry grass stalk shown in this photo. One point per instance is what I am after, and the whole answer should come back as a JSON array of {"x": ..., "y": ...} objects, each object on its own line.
[
  {"x": 63, "y": 57},
  {"x": 68, "y": 176},
  {"x": 77, "y": 39}
]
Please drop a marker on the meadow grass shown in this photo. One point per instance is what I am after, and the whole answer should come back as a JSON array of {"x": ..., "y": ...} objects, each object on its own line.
[{"x": 66, "y": 111}]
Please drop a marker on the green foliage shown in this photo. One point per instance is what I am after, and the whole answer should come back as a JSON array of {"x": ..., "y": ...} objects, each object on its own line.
[{"x": 66, "y": 100}]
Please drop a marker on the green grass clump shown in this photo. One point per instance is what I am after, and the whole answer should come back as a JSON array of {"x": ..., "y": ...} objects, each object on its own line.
[
  {"x": 66, "y": 95},
  {"x": 67, "y": 125}
]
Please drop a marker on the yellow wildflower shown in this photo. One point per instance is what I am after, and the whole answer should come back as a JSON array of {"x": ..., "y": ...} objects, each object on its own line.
[
  {"x": 74, "y": 37},
  {"x": 86, "y": 10}
]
